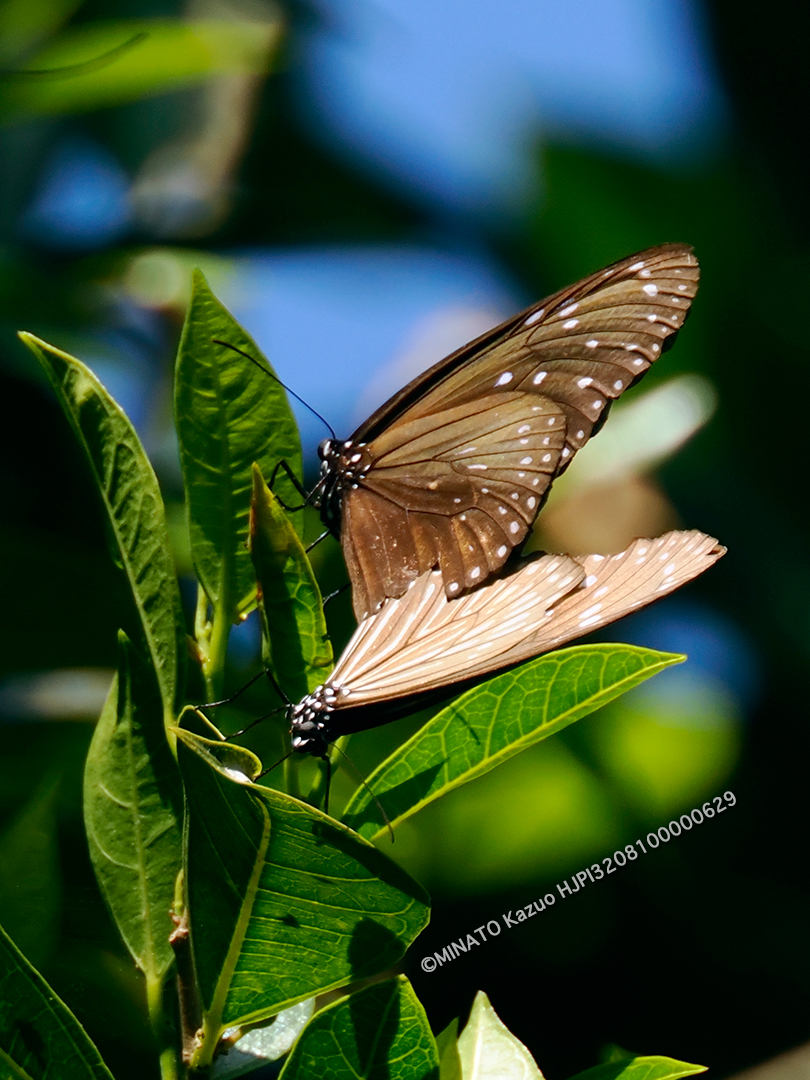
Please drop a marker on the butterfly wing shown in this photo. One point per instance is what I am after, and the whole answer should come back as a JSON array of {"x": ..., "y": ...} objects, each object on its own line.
[
  {"x": 564, "y": 361},
  {"x": 423, "y": 641}
]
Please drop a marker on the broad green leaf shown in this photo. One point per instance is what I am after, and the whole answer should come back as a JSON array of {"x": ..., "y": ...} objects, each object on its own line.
[
  {"x": 133, "y": 812},
  {"x": 493, "y": 722},
  {"x": 300, "y": 651},
  {"x": 236, "y": 761},
  {"x": 137, "y": 534},
  {"x": 284, "y": 903},
  {"x": 447, "y": 1047},
  {"x": 30, "y": 877},
  {"x": 379, "y": 1033},
  {"x": 40, "y": 1037},
  {"x": 168, "y": 55},
  {"x": 641, "y": 1068},
  {"x": 229, "y": 414},
  {"x": 487, "y": 1048}
]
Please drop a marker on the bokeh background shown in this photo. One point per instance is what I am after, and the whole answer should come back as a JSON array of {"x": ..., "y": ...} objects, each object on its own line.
[{"x": 368, "y": 185}]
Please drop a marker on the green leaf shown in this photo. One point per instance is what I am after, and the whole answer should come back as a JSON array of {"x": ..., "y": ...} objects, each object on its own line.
[
  {"x": 229, "y": 414},
  {"x": 284, "y": 903},
  {"x": 300, "y": 651},
  {"x": 39, "y": 1036},
  {"x": 168, "y": 55},
  {"x": 30, "y": 878},
  {"x": 133, "y": 812},
  {"x": 137, "y": 534},
  {"x": 486, "y": 1047},
  {"x": 641, "y": 1068},
  {"x": 446, "y": 1045},
  {"x": 209, "y": 742},
  {"x": 493, "y": 722},
  {"x": 379, "y": 1032}
]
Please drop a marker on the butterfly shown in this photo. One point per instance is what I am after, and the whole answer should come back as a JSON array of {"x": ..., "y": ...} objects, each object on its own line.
[
  {"x": 451, "y": 471},
  {"x": 422, "y": 647}
]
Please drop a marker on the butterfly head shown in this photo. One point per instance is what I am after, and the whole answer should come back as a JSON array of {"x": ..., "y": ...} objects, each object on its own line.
[
  {"x": 310, "y": 725},
  {"x": 343, "y": 466}
]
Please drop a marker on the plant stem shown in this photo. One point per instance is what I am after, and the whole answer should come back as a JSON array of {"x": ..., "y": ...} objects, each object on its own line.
[
  {"x": 167, "y": 1052},
  {"x": 188, "y": 998},
  {"x": 214, "y": 663},
  {"x": 291, "y": 776}
]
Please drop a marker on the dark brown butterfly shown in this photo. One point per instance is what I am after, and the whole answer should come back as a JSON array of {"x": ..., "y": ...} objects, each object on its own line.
[
  {"x": 452, "y": 470},
  {"x": 422, "y": 647}
]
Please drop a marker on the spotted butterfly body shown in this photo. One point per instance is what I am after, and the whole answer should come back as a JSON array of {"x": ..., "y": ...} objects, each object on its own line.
[
  {"x": 422, "y": 647},
  {"x": 452, "y": 470}
]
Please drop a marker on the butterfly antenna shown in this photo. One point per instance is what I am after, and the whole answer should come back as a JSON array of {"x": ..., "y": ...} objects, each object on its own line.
[
  {"x": 362, "y": 780},
  {"x": 272, "y": 374}
]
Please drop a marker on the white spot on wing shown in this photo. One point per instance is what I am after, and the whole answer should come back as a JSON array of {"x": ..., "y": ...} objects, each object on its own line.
[
  {"x": 502, "y": 380},
  {"x": 539, "y": 377},
  {"x": 651, "y": 289},
  {"x": 513, "y": 527},
  {"x": 636, "y": 266},
  {"x": 570, "y": 324},
  {"x": 535, "y": 315},
  {"x": 592, "y": 343},
  {"x": 582, "y": 383}
]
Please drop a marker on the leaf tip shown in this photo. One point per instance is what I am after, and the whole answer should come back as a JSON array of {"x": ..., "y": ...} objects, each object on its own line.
[{"x": 199, "y": 282}]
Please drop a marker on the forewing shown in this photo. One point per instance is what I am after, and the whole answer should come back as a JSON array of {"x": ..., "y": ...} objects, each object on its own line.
[
  {"x": 616, "y": 585},
  {"x": 608, "y": 328},
  {"x": 451, "y": 452},
  {"x": 422, "y": 641},
  {"x": 583, "y": 347}
]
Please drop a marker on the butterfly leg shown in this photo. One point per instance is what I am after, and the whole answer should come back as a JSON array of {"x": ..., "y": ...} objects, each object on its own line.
[
  {"x": 296, "y": 483},
  {"x": 241, "y": 690},
  {"x": 253, "y": 723},
  {"x": 228, "y": 700}
]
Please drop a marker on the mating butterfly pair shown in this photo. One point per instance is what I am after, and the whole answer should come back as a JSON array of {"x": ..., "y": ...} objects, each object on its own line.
[{"x": 435, "y": 490}]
